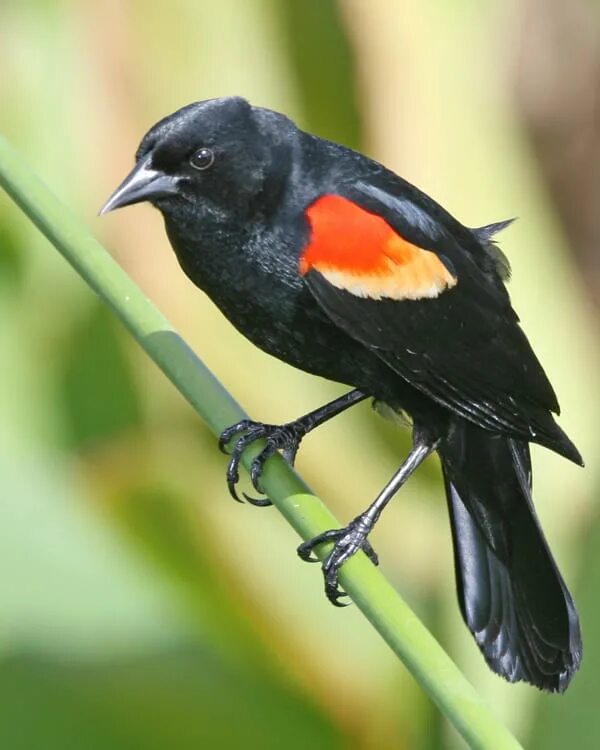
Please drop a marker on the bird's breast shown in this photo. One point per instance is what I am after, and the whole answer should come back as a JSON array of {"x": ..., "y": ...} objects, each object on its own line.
[{"x": 253, "y": 279}]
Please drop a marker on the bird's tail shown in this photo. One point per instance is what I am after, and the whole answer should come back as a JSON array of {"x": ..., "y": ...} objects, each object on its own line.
[{"x": 511, "y": 593}]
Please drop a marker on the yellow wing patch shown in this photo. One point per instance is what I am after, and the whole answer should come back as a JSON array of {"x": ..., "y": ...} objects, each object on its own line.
[{"x": 404, "y": 271}]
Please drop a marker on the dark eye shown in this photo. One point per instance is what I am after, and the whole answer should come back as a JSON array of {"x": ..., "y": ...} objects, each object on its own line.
[{"x": 202, "y": 158}]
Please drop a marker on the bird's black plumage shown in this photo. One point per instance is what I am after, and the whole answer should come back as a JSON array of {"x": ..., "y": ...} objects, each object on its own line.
[{"x": 236, "y": 186}]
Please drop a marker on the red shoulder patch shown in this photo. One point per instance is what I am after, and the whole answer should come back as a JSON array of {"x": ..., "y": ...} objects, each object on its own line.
[{"x": 358, "y": 251}]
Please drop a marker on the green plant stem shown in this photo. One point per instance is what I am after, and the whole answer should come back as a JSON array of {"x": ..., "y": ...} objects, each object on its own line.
[{"x": 371, "y": 592}]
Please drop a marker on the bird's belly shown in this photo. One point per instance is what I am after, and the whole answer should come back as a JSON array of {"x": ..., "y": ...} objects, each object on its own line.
[
  {"x": 295, "y": 330},
  {"x": 284, "y": 320},
  {"x": 289, "y": 325},
  {"x": 275, "y": 310}
]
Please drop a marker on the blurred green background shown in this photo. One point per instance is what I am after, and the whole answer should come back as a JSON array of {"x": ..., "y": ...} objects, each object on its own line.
[{"x": 139, "y": 606}]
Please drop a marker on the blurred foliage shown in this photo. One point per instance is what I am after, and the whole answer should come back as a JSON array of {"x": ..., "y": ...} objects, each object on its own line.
[
  {"x": 322, "y": 60},
  {"x": 97, "y": 394},
  {"x": 11, "y": 257},
  {"x": 140, "y": 607},
  {"x": 572, "y": 720},
  {"x": 184, "y": 699}
]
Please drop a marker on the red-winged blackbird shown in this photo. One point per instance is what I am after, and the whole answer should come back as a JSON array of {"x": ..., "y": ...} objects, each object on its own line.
[{"x": 329, "y": 261}]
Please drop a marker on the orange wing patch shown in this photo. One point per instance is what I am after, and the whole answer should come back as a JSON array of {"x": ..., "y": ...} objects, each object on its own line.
[{"x": 358, "y": 251}]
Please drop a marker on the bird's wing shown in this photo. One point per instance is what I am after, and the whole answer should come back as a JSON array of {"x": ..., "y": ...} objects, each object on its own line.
[{"x": 420, "y": 290}]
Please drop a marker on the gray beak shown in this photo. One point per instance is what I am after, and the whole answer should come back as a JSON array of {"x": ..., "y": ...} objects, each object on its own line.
[{"x": 143, "y": 183}]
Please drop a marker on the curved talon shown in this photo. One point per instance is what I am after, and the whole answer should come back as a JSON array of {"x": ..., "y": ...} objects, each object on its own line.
[
  {"x": 307, "y": 555},
  {"x": 370, "y": 553},
  {"x": 347, "y": 542},
  {"x": 258, "y": 464},
  {"x": 333, "y": 591},
  {"x": 335, "y": 596},
  {"x": 279, "y": 437},
  {"x": 306, "y": 551},
  {"x": 231, "y": 482},
  {"x": 232, "y": 479},
  {"x": 255, "y": 471},
  {"x": 227, "y": 435},
  {"x": 233, "y": 475},
  {"x": 259, "y": 502},
  {"x": 332, "y": 588}
]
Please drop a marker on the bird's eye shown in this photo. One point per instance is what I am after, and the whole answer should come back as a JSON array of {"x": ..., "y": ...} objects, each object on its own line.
[{"x": 203, "y": 158}]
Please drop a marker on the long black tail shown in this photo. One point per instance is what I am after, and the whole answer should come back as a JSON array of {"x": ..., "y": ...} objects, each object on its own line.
[{"x": 511, "y": 593}]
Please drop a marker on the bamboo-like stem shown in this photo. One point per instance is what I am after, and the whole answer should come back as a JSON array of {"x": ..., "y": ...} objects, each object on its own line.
[{"x": 371, "y": 592}]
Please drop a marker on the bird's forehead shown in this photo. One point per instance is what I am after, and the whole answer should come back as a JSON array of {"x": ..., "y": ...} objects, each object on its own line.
[{"x": 191, "y": 125}]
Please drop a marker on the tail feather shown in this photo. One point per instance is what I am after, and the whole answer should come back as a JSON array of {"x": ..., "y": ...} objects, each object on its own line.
[{"x": 511, "y": 593}]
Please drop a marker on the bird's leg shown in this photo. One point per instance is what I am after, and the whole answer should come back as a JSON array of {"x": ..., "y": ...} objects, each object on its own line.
[
  {"x": 285, "y": 437},
  {"x": 353, "y": 537}
]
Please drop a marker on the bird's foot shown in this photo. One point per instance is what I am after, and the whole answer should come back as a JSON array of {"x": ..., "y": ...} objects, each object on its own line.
[
  {"x": 347, "y": 542},
  {"x": 286, "y": 437}
]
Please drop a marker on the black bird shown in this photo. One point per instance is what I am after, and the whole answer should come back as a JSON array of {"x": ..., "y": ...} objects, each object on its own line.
[{"x": 329, "y": 261}]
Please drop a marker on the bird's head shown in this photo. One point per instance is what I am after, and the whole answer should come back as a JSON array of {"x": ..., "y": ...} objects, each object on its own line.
[{"x": 216, "y": 156}]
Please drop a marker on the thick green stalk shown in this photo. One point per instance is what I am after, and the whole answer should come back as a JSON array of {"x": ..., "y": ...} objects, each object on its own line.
[{"x": 384, "y": 608}]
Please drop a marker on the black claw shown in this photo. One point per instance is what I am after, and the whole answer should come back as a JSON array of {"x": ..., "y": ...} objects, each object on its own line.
[
  {"x": 332, "y": 587},
  {"x": 233, "y": 474},
  {"x": 255, "y": 474},
  {"x": 284, "y": 437},
  {"x": 230, "y": 432},
  {"x": 347, "y": 542},
  {"x": 335, "y": 596},
  {"x": 370, "y": 553},
  {"x": 305, "y": 552},
  {"x": 232, "y": 491},
  {"x": 306, "y": 549},
  {"x": 257, "y": 467},
  {"x": 259, "y": 502}
]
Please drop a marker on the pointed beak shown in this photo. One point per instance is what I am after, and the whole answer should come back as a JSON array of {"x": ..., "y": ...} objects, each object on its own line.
[{"x": 143, "y": 183}]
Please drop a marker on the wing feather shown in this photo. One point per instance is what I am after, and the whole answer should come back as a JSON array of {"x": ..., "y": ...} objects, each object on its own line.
[{"x": 464, "y": 347}]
